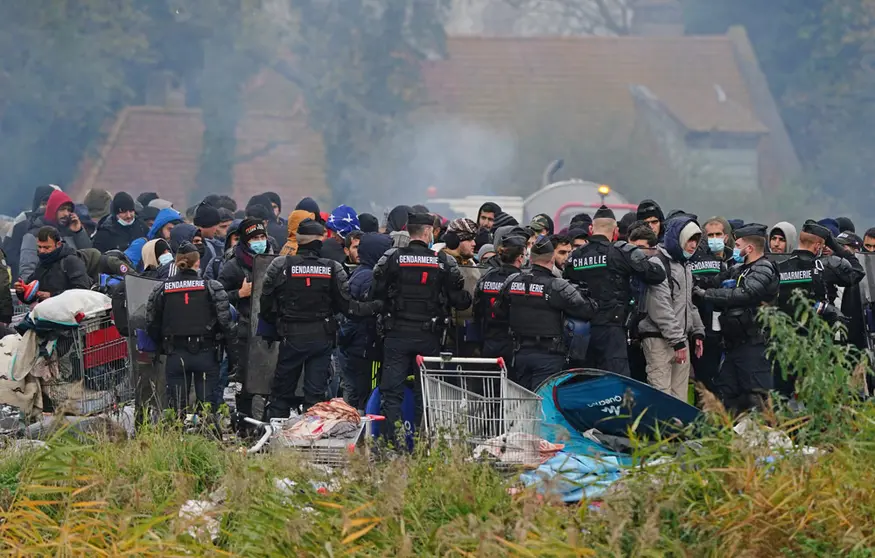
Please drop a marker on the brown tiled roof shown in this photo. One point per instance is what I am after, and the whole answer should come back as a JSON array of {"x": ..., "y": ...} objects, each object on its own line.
[
  {"x": 157, "y": 149},
  {"x": 499, "y": 81},
  {"x": 588, "y": 79}
]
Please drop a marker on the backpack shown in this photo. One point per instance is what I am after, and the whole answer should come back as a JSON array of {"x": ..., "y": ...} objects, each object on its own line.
[
  {"x": 666, "y": 263},
  {"x": 639, "y": 311}
]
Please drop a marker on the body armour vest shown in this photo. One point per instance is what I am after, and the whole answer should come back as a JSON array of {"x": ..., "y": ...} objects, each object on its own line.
[
  {"x": 590, "y": 266},
  {"x": 306, "y": 294},
  {"x": 417, "y": 297},
  {"x": 530, "y": 311},
  {"x": 705, "y": 267},
  {"x": 802, "y": 274},
  {"x": 188, "y": 311},
  {"x": 490, "y": 287}
]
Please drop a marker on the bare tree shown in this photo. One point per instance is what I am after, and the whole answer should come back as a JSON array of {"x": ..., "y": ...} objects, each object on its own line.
[{"x": 573, "y": 17}]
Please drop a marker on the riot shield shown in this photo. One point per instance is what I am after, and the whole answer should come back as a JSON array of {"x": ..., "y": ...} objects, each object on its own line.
[
  {"x": 148, "y": 367},
  {"x": 137, "y": 291},
  {"x": 778, "y": 259},
  {"x": 261, "y": 357},
  {"x": 867, "y": 285}
]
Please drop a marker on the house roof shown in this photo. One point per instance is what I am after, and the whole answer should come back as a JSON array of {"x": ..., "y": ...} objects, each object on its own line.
[
  {"x": 588, "y": 78},
  {"x": 497, "y": 81},
  {"x": 157, "y": 149}
]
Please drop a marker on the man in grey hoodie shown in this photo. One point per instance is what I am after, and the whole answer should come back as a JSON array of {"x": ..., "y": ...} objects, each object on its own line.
[
  {"x": 782, "y": 238},
  {"x": 672, "y": 318}
]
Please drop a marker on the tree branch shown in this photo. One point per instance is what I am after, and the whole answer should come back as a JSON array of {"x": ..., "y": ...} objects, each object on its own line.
[
  {"x": 608, "y": 18},
  {"x": 260, "y": 152}
]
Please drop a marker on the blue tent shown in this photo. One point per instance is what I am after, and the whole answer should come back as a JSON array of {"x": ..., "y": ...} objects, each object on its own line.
[{"x": 579, "y": 400}]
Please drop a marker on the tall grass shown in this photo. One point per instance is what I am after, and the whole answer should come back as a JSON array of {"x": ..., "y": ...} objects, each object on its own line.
[{"x": 717, "y": 496}]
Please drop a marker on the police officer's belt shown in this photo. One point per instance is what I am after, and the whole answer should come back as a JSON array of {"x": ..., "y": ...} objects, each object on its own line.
[{"x": 194, "y": 343}]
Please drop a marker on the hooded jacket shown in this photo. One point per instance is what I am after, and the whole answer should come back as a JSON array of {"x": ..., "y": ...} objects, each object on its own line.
[
  {"x": 165, "y": 216},
  {"x": 149, "y": 259},
  {"x": 61, "y": 271},
  {"x": 789, "y": 233},
  {"x": 112, "y": 235},
  {"x": 75, "y": 240},
  {"x": 359, "y": 334},
  {"x": 295, "y": 217},
  {"x": 181, "y": 233},
  {"x": 234, "y": 271},
  {"x": 671, "y": 314}
]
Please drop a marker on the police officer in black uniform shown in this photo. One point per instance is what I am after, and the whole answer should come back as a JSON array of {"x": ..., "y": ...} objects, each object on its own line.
[
  {"x": 300, "y": 297},
  {"x": 192, "y": 318},
  {"x": 418, "y": 288},
  {"x": 536, "y": 303},
  {"x": 746, "y": 374},
  {"x": 816, "y": 275},
  {"x": 497, "y": 341},
  {"x": 706, "y": 266},
  {"x": 605, "y": 267}
]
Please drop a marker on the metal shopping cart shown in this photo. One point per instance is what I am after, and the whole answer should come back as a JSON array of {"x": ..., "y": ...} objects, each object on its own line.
[
  {"x": 20, "y": 309},
  {"x": 471, "y": 400},
  {"x": 332, "y": 452},
  {"x": 94, "y": 368}
]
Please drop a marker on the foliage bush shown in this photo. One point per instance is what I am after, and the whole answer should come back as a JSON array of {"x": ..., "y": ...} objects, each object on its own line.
[{"x": 717, "y": 496}]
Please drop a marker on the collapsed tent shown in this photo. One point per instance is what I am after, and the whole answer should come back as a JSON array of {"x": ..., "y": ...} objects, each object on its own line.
[
  {"x": 591, "y": 412},
  {"x": 578, "y": 401}
]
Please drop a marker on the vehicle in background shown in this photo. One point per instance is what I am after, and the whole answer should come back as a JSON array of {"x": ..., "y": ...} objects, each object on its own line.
[
  {"x": 560, "y": 199},
  {"x": 564, "y": 199}
]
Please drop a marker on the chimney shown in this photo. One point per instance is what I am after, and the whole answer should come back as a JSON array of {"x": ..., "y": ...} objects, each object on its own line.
[
  {"x": 164, "y": 89},
  {"x": 657, "y": 18}
]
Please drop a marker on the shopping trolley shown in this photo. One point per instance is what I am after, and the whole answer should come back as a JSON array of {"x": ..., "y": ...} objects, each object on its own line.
[
  {"x": 20, "y": 309},
  {"x": 94, "y": 372},
  {"x": 332, "y": 452},
  {"x": 471, "y": 400}
]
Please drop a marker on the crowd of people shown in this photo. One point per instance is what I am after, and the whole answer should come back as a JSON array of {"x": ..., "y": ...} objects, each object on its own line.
[{"x": 658, "y": 297}]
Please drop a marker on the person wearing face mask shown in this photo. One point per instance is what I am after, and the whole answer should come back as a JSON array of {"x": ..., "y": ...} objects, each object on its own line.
[
  {"x": 232, "y": 236},
  {"x": 156, "y": 254},
  {"x": 301, "y": 296},
  {"x": 711, "y": 259},
  {"x": 191, "y": 318},
  {"x": 59, "y": 214},
  {"x": 672, "y": 330},
  {"x": 745, "y": 376},
  {"x": 236, "y": 276},
  {"x": 121, "y": 228},
  {"x": 605, "y": 267}
]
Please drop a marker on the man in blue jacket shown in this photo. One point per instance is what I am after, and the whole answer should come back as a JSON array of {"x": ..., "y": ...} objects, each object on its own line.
[
  {"x": 164, "y": 223},
  {"x": 358, "y": 337}
]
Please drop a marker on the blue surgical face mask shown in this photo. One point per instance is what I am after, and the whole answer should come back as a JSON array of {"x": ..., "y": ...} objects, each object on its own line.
[
  {"x": 736, "y": 255},
  {"x": 716, "y": 245},
  {"x": 258, "y": 246},
  {"x": 165, "y": 258},
  {"x": 125, "y": 223},
  {"x": 688, "y": 255}
]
